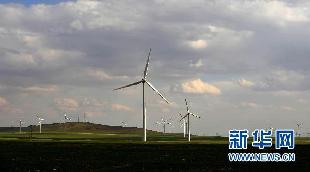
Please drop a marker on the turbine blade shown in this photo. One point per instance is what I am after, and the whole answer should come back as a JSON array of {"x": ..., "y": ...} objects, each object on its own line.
[
  {"x": 183, "y": 117},
  {"x": 157, "y": 91},
  {"x": 187, "y": 108},
  {"x": 195, "y": 115},
  {"x": 180, "y": 114},
  {"x": 135, "y": 83},
  {"x": 147, "y": 64}
]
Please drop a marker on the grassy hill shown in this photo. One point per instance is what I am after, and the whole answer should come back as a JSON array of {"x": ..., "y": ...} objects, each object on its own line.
[{"x": 77, "y": 127}]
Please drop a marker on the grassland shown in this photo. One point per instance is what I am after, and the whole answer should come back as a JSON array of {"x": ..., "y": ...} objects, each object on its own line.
[{"x": 121, "y": 149}]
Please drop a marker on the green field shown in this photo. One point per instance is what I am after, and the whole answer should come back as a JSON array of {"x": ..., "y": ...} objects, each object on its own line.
[
  {"x": 107, "y": 137},
  {"x": 119, "y": 137},
  {"x": 80, "y": 147}
]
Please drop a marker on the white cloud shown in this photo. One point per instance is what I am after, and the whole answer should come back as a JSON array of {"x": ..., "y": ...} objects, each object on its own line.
[
  {"x": 198, "y": 44},
  {"x": 245, "y": 83},
  {"x": 44, "y": 88},
  {"x": 249, "y": 104},
  {"x": 67, "y": 104},
  {"x": 280, "y": 10},
  {"x": 197, "y": 86},
  {"x": 287, "y": 108},
  {"x": 32, "y": 40},
  {"x": 98, "y": 74},
  {"x": 3, "y": 102},
  {"x": 120, "y": 107},
  {"x": 286, "y": 93},
  {"x": 198, "y": 64},
  {"x": 76, "y": 24},
  {"x": 101, "y": 75}
]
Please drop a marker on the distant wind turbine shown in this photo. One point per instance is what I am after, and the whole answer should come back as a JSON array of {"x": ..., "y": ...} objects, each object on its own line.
[
  {"x": 163, "y": 122},
  {"x": 20, "y": 126},
  {"x": 124, "y": 124},
  {"x": 40, "y": 122},
  {"x": 84, "y": 117},
  {"x": 298, "y": 129},
  {"x": 67, "y": 118},
  {"x": 188, "y": 114},
  {"x": 143, "y": 81}
]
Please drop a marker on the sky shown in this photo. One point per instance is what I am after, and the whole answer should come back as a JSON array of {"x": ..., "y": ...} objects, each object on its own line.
[
  {"x": 32, "y": 2},
  {"x": 241, "y": 64}
]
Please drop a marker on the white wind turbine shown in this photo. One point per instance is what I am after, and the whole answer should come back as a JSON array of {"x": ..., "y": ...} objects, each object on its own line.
[
  {"x": 124, "y": 124},
  {"x": 143, "y": 81},
  {"x": 40, "y": 122},
  {"x": 67, "y": 118},
  {"x": 163, "y": 122},
  {"x": 188, "y": 114},
  {"x": 298, "y": 129},
  {"x": 20, "y": 126}
]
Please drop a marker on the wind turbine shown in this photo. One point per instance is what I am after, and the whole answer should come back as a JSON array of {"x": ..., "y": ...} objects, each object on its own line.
[
  {"x": 188, "y": 114},
  {"x": 164, "y": 122},
  {"x": 67, "y": 118},
  {"x": 40, "y": 122},
  {"x": 298, "y": 129},
  {"x": 20, "y": 126},
  {"x": 143, "y": 81},
  {"x": 124, "y": 124}
]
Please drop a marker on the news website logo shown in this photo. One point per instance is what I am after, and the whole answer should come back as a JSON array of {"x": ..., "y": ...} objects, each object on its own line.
[{"x": 284, "y": 138}]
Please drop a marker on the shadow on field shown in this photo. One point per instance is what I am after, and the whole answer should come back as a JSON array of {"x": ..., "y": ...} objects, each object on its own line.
[{"x": 58, "y": 156}]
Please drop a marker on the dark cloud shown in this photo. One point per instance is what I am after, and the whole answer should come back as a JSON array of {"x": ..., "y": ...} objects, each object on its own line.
[{"x": 87, "y": 48}]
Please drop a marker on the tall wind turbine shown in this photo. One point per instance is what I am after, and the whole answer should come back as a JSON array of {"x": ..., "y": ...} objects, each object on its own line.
[
  {"x": 143, "y": 81},
  {"x": 40, "y": 122},
  {"x": 188, "y": 114},
  {"x": 163, "y": 122}
]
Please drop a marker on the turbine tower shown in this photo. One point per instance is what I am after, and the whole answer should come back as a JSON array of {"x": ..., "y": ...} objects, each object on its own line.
[
  {"x": 188, "y": 114},
  {"x": 84, "y": 117},
  {"x": 20, "y": 126},
  {"x": 184, "y": 123},
  {"x": 143, "y": 81},
  {"x": 40, "y": 122},
  {"x": 164, "y": 122}
]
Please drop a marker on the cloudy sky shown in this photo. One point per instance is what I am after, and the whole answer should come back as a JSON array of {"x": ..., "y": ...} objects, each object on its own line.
[{"x": 241, "y": 64}]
